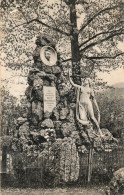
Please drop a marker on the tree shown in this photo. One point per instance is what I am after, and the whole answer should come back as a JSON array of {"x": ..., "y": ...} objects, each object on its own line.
[{"x": 92, "y": 43}]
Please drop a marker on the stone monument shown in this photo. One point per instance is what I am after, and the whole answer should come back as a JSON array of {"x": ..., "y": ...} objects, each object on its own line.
[{"x": 50, "y": 137}]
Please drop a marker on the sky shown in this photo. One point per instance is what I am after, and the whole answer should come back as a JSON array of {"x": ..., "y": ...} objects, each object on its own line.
[{"x": 17, "y": 84}]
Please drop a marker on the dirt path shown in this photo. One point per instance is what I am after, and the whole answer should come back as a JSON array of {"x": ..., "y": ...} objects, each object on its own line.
[{"x": 54, "y": 191}]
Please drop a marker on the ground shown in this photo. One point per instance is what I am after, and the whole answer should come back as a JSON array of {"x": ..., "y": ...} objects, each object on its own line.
[{"x": 54, "y": 191}]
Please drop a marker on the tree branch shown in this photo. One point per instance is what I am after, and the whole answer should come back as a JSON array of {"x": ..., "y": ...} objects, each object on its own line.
[
  {"x": 40, "y": 22},
  {"x": 95, "y": 36},
  {"x": 102, "y": 40},
  {"x": 103, "y": 57},
  {"x": 97, "y": 14},
  {"x": 69, "y": 59}
]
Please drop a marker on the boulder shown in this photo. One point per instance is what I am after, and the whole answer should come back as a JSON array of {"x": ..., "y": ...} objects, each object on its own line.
[
  {"x": 57, "y": 125},
  {"x": 63, "y": 113},
  {"x": 67, "y": 128},
  {"x": 55, "y": 113},
  {"x": 117, "y": 182},
  {"x": 76, "y": 138},
  {"x": 24, "y": 130},
  {"x": 71, "y": 116},
  {"x": 56, "y": 69},
  {"x": 60, "y": 160},
  {"x": 21, "y": 120},
  {"x": 82, "y": 149},
  {"x": 37, "y": 109},
  {"x": 47, "y": 123}
]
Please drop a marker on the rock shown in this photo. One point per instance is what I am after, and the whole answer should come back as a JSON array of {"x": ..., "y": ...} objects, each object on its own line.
[
  {"x": 47, "y": 69},
  {"x": 64, "y": 88},
  {"x": 108, "y": 137},
  {"x": 38, "y": 64},
  {"x": 72, "y": 105},
  {"x": 28, "y": 93},
  {"x": 50, "y": 135},
  {"x": 46, "y": 82},
  {"x": 47, "y": 114},
  {"x": 57, "y": 97},
  {"x": 117, "y": 182},
  {"x": 38, "y": 84},
  {"x": 60, "y": 160},
  {"x": 63, "y": 113},
  {"x": 64, "y": 85},
  {"x": 69, "y": 161},
  {"x": 57, "y": 125},
  {"x": 84, "y": 137},
  {"x": 34, "y": 120},
  {"x": 32, "y": 75},
  {"x": 47, "y": 123},
  {"x": 82, "y": 149},
  {"x": 37, "y": 109},
  {"x": 55, "y": 113},
  {"x": 21, "y": 120},
  {"x": 37, "y": 51},
  {"x": 24, "y": 131},
  {"x": 56, "y": 69},
  {"x": 37, "y": 137},
  {"x": 67, "y": 128},
  {"x": 71, "y": 116},
  {"x": 76, "y": 138}
]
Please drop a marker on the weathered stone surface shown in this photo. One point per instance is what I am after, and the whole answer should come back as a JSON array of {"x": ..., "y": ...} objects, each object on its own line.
[
  {"x": 56, "y": 69},
  {"x": 32, "y": 75},
  {"x": 64, "y": 85},
  {"x": 37, "y": 51},
  {"x": 63, "y": 113},
  {"x": 57, "y": 97},
  {"x": 57, "y": 125},
  {"x": 38, "y": 84},
  {"x": 82, "y": 149},
  {"x": 64, "y": 88},
  {"x": 55, "y": 113},
  {"x": 21, "y": 120},
  {"x": 46, "y": 82},
  {"x": 60, "y": 160},
  {"x": 84, "y": 137},
  {"x": 47, "y": 123},
  {"x": 117, "y": 183},
  {"x": 28, "y": 93},
  {"x": 108, "y": 137},
  {"x": 47, "y": 114},
  {"x": 24, "y": 129},
  {"x": 37, "y": 137},
  {"x": 72, "y": 105},
  {"x": 24, "y": 132},
  {"x": 71, "y": 116},
  {"x": 76, "y": 138},
  {"x": 47, "y": 69},
  {"x": 67, "y": 128},
  {"x": 37, "y": 109},
  {"x": 50, "y": 135}
]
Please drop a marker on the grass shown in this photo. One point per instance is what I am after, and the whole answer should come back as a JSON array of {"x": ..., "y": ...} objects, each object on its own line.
[{"x": 54, "y": 191}]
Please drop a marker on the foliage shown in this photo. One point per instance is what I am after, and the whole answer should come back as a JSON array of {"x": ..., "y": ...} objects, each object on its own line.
[
  {"x": 91, "y": 29},
  {"x": 10, "y": 111},
  {"x": 111, "y": 103}
]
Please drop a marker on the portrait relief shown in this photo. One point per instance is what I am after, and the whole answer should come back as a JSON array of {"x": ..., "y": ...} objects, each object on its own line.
[{"x": 62, "y": 97}]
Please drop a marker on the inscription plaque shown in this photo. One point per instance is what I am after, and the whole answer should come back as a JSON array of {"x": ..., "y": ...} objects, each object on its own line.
[{"x": 49, "y": 94}]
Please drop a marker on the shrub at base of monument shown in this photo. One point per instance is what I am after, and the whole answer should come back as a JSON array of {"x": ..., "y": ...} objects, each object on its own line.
[{"x": 60, "y": 160}]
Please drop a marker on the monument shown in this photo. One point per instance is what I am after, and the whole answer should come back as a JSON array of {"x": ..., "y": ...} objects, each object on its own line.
[{"x": 52, "y": 135}]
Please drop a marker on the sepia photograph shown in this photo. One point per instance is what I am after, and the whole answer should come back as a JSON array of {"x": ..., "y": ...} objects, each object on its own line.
[{"x": 62, "y": 97}]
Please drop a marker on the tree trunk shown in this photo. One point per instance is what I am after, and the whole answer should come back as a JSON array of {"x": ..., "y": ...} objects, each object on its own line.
[{"x": 74, "y": 44}]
